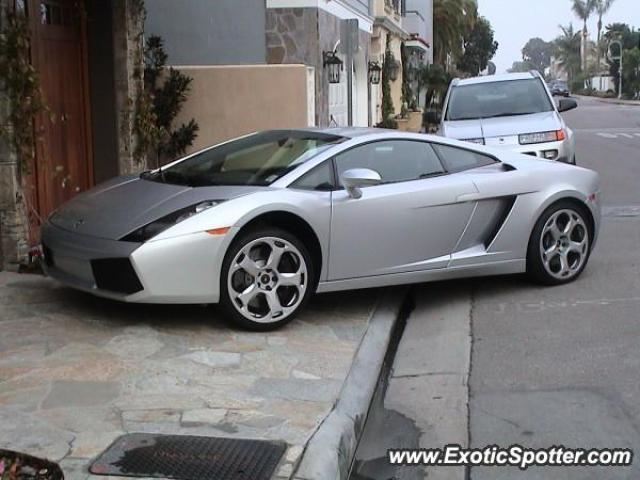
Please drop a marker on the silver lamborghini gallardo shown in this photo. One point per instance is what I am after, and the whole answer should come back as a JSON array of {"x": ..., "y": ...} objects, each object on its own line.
[{"x": 261, "y": 222}]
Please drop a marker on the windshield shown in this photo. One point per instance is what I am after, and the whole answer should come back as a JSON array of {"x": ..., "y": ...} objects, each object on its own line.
[
  {"x": 259, "y": 159},
  {"x": 498, "y": 99}
]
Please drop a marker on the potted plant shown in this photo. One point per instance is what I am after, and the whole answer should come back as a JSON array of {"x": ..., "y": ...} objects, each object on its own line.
[{"x": 19, "y": 466}]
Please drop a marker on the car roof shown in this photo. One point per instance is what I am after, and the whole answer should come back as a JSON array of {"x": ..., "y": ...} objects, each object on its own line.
[
  {"x": 347, "y": 132},
  {"x": 505, "y": 77}
]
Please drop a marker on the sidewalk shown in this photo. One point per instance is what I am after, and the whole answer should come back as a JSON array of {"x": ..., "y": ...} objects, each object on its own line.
[
  {"x": 76, "y": 371},
  {"x": 613, "y": 101}
]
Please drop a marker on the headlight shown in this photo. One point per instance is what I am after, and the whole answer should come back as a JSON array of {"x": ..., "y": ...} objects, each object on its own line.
[
  {"x": 152, "y": 229},
  {"x": 474, "y": 140},
  {"x": 541, "y": 137}
]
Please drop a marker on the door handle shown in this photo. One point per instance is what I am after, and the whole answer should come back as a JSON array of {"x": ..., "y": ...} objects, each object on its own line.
[{"x": 469, "y": 197}]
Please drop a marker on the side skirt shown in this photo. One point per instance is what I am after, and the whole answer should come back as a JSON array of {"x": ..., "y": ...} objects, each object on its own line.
[{"x": 479, "y": 270}]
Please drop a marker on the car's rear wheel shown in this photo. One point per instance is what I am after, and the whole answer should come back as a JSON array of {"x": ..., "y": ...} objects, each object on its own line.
[
  {"x": 560, "y": 244},
  {"x": 267, "y": 277}
]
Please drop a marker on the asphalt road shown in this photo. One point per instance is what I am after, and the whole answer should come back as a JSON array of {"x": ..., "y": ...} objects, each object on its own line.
[
  {"x": 561, "y": 366},
  {"x": 499, "y": 361}
]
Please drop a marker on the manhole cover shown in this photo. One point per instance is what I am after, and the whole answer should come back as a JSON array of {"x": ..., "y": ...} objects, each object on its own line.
[{"x": 187, "y": 457}]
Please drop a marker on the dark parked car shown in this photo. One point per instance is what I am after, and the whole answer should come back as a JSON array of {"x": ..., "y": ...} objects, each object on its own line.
[{"x": 560, "y": 88}]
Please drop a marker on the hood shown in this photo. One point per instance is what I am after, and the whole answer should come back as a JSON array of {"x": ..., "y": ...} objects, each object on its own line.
[
  {"x": 462, "y": 129},
  {"x": 502, "y": 126},
  {"x": 115, "y": 208}
]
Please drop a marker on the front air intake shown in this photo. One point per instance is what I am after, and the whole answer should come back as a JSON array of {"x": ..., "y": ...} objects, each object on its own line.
[{"x": 116, "y": 275}]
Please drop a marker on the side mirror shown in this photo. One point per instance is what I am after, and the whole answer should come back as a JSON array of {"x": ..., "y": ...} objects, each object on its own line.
[
  {"x": 567, "y": 104},
  {"x": 356, "y": 178}
]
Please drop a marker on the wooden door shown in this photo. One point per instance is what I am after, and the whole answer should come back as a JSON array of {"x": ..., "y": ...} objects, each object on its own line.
[{"x": 64, "y": 161}]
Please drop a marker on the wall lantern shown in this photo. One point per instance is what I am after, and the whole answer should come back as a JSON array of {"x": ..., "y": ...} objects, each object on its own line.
[
  {"x": 394, "y": 68},
  {"x": 375, "y": 71},
  {"x": 333, "y": 64}
]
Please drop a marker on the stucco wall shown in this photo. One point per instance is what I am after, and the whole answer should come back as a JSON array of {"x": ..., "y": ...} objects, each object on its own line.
[
  {"x": 229, "y": 101},
  {"x": 209, "y": 32}
]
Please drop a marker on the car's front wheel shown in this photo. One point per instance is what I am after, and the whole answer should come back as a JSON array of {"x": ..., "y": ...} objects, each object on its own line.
[
  {"x": 560, "y": 244},
  {"x": 267, "y": 277}
]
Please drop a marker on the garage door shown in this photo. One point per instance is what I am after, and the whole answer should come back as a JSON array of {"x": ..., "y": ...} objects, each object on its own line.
[
  {"x": 338, "y": 111},
  {"x": 339, "y": 99}
]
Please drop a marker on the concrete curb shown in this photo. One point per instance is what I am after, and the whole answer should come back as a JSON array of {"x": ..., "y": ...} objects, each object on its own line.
[
  {"x": 331, "y": 449},
  {"x": 613, "y": 101}
]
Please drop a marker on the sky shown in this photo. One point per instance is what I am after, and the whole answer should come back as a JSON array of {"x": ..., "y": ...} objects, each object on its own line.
[{"x": 516, "y": 21}]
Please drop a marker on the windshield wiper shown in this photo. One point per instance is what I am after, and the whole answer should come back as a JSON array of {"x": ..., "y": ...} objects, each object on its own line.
[
  {"x": 195, "y": 182},
  {"x": 151, "y": 175}
]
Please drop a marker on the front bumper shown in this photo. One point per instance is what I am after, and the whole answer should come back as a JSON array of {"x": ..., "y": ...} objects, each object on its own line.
[
  {"x": 184, "y": 269},
  {"x": 563, "y": 147}
]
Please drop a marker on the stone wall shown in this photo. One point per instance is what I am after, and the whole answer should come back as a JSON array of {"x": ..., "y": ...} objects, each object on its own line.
[
  {"x": 128, "y": 25},
  {"x": 13, "y": 219},
  {"x": 13, "y": 227},
  {"x": 292, "y": 35}
]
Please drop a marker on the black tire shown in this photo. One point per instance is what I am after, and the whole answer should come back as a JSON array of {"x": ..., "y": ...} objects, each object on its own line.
[
  {"x": 227, "y": 303},
  {"x": 536, "y": 269}
]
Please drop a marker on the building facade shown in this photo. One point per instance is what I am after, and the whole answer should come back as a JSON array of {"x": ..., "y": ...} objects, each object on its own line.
[
  {"x": 388, "y": 33},
  {"x": 89, "y": 56},
  {"x": 418, "y": 22},
  {"x": 303, "y": 32},
  {"x": 238, "y": 32}
]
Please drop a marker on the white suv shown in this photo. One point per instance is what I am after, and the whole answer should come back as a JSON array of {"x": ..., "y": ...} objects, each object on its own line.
[{"x": 514, "y": 111}]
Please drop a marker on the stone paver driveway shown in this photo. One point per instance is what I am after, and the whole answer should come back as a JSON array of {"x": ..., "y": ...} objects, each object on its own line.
[{"x": 78, "y": 371}]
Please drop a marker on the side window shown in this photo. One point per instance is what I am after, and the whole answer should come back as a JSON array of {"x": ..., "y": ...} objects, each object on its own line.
[
  {"x": 459, "y": 159},
  {"x": 319, "y": 178},
  {"x": 394, "y": 160}
]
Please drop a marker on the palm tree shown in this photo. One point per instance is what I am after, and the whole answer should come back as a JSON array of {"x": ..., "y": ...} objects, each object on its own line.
[
  {"x": 602, "y": 7},
  {"x": 616, "y": 31},
  {"x": 452, "y": 19},
  {"x": 583, "y": 10},
  {"x": 567, "y": 50}
]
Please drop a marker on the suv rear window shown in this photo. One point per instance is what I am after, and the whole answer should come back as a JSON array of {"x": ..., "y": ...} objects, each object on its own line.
[{"x": 498, "y": 99}]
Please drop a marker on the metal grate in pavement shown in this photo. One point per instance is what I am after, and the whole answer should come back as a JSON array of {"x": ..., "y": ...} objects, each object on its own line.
[{"x": 187, "y": 457}]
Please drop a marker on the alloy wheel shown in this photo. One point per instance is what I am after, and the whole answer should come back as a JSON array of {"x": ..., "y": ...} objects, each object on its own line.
[
  {"x": 564, "y": 244},
  {"x": 267, "y": 280}
]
